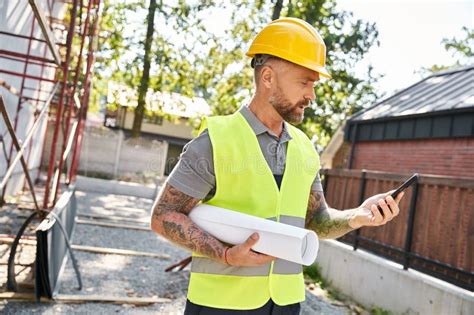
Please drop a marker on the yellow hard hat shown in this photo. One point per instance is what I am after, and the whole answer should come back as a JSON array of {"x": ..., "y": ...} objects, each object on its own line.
[{"x": 294, "y": 40}]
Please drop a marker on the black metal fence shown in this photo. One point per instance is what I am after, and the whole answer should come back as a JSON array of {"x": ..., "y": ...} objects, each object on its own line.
[{"x": 427, "y": 236}]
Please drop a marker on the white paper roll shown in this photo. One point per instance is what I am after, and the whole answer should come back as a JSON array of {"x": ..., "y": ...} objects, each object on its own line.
[{"x": 276, "y": 239}]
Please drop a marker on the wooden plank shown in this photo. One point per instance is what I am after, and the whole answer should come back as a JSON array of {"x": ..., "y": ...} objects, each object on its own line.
[
  {"x": 9, "y": 240},
  {"x": 70, "y": 298},
  {"x": 447, "y": 181},
  {"x": 113, "y": 225},
  {"x": 452, "y": 181},
  {"x": 386, "y": 176},
  {"x": 75, "y": 298},
  {"x": 18, "y": 296},
  {"x": 93, "y": 249},
  {"x": 116, "y": 251},
  {"x": 343, "y": 172},
  {"x": 112, "y": 217}
]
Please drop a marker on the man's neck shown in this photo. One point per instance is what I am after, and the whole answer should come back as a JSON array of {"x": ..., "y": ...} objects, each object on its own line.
[{"x": 267, "y": 115}]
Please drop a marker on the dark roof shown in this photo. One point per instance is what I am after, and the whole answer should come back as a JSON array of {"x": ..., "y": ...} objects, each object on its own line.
[{"x": 440, "y": 92}]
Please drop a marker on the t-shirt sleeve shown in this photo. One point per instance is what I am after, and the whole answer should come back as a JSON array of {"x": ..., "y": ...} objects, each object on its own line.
[
  {"x": 194, "y": 173},
  {"x": 317, "y": 186}
]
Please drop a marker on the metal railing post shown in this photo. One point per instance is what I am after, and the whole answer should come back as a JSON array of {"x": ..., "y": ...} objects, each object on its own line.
[
  {"x": 326, "y": 179},
  {"x": 361, "y": 200},
  {"x": 410, "y": 226}
]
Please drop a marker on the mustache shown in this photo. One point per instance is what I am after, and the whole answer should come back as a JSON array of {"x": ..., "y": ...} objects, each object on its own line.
[{"x": 303, "y": 103}]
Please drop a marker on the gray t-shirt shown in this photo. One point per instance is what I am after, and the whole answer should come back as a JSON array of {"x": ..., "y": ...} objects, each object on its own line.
[{"x": 194, "y": 173}]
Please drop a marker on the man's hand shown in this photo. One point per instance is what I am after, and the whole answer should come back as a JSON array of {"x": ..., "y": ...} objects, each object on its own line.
[
  {"x": 369, "y": 215},
  {"x": 242, "y": 255}
]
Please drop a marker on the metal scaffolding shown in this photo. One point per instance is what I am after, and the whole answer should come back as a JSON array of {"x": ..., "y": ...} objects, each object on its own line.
[
  {"x": 66, "y": 101},
  {"x": 67, "y": 97}
]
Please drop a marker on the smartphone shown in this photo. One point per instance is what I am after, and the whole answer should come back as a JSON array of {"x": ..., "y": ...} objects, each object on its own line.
[
  {"x": 405, "y": 185},
  {"x": 402, "y": 187}
]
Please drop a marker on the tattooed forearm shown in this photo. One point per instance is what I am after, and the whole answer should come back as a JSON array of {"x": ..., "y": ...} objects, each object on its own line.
[
  {"x": 170, "y": 219},
  {"x": 326, "y": 222},
  {"x": 172, "y": 200}
]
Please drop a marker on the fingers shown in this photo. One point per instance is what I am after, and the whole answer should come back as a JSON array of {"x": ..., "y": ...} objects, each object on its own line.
[
  {"x": 388, "y": 193},
  {"x": 400, "y": 196},
  {"x": 256, "y": 258},
  {"x": 377, "y": 217},
  {"x": 261, "y": 259},
  {"x": 386, "y": 211},
  {"x": 393, "y": 204},
  {"x": 243, "y": 255},
  {"x": 383, "y": 207},
  {"x": 252, "y": 240}
]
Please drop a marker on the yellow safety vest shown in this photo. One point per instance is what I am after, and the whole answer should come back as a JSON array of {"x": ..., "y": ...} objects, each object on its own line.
[{"x": 245, "y": 183}]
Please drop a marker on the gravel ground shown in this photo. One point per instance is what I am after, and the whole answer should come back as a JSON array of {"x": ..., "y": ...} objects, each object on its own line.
[{"x": 127, "y": 276}]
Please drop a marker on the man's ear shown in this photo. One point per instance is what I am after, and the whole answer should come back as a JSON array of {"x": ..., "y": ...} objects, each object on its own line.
[{"x": 267, "y": 77}]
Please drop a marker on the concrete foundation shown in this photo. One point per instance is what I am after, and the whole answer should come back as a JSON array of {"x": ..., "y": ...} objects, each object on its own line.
[
  {"x": 374, "y": 281},
  {"x": 97, "y": 185}
]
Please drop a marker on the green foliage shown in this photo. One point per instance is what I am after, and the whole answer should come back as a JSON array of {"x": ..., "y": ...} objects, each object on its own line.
[
  {"x": 347, "y": 41},
  {"x": 313, "y": 272},
  {"x": 194, "y": 59},
  {"x": 379, "y": 311},
  {"x": 461, "y": 49}
]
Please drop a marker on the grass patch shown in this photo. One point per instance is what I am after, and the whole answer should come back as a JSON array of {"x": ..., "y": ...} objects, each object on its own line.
[
  {"x": 94, "y": 174},
  {"x": 313, "y": 273},
  {"x": 379, "y": 311}
]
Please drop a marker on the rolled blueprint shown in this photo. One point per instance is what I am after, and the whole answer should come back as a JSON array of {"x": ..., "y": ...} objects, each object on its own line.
[{"x": 276, "y": 239}]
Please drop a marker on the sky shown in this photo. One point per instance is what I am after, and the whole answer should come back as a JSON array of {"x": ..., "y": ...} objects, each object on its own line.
[{"x": 410, "y": 35}]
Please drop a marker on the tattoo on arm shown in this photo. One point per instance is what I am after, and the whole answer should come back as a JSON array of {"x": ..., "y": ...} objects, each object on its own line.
[
  {"x": 326, "y": 222},
  {"x": 170, "y": 218}
]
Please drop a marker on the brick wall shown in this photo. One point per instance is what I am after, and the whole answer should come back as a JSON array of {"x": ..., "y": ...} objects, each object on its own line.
[{"x": 452, "y": 157}]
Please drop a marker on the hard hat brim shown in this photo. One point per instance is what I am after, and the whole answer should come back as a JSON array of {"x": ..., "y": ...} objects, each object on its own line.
[{"x": 296, "y": 60}]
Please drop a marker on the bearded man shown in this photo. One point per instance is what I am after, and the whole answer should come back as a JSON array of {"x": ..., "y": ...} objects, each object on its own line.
[{"x": 256, "y": 162}]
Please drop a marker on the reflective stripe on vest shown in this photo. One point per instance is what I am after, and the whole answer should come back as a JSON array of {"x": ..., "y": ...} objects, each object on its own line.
[
  {"x": 210, "y": 266},
  {"x": 285, "y": 267}
]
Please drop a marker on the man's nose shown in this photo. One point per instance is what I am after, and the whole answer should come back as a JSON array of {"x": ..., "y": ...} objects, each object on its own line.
[{"x": 311, "y": 95}]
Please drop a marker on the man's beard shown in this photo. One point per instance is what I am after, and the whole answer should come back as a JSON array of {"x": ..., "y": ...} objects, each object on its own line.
[{"x": 289, "y": 112}]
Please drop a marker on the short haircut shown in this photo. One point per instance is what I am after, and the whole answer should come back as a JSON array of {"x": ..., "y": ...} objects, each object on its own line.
[{"x": 258, "y": 61}]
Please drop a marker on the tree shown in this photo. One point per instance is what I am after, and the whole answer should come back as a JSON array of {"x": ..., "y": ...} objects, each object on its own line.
[
  {"x": 277, "y": 9},
  {"x": 121, "y": 57},
  {"x": 197, "y": 60},
  {"x": 114, "y": 44},
  {"x": 347, "y": 41},
  {"x": 461, "y": 49},
  {"x": 142, "y": 91}
]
